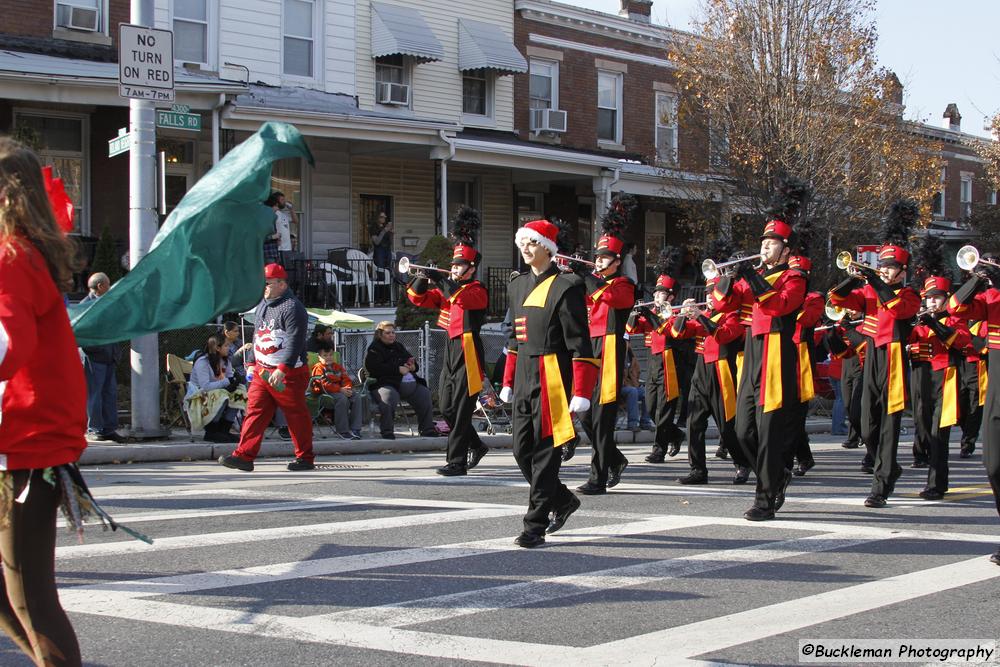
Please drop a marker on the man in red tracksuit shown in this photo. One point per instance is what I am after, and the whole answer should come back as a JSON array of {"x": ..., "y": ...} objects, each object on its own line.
[{"x": 281, "y": 376}]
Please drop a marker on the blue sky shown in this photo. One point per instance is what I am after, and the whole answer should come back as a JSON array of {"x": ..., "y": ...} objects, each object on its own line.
[{"x": 942, "y": 51}]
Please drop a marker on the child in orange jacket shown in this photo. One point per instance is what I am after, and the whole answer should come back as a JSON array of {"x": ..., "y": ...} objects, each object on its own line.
[{"x": 331, "y": 385}]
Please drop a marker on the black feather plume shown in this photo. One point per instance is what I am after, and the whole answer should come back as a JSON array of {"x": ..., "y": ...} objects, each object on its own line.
[
  {"x": 720, "y": 249},
  {"x": 669, "y": 262},
  {"x": 563, "y": 238},
  {"x": 787, "y": 202},
  {"x": 928, "y": 257},
  {"x": 899, "y": 223},
  {"x": 619, "y": 214},
  {"x": 465, "y": 226},
  {"x": 802, "y": 236}
]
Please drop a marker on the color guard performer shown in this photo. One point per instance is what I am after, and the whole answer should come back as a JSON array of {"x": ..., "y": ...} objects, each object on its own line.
[
  {"x": 889, "y": 308},
  {"x": 461, "y": 301},
  {"x": 769, "y": 391},
  {"x": 550, "y": 374},
  {"x": 611, "y": 297}
]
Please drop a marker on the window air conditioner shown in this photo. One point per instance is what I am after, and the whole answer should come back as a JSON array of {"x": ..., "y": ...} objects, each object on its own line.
[
  {"x": 548, "y": 120},
  {"x": 393, "y": 93},
  {"x": 77, "y": 18}
]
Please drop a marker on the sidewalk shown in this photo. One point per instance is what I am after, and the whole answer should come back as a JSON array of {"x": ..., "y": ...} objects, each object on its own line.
[{"x": 180, "y": 448}]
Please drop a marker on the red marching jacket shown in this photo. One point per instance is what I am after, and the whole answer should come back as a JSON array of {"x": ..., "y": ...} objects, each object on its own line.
[
  {"x": 945, "y": 356},
  {"x": 984, "y": 307},
  {"x": 618, "y": 293}
]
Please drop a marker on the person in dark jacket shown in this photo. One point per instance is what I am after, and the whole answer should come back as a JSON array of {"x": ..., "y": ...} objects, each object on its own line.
[
  {"x": 394, "y": 372},
  {"x": 99, "y": 366}
]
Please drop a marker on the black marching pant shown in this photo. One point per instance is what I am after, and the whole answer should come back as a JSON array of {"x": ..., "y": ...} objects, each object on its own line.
[
  {"x": 850, "y": 385},
  {"x": 660, "y": 409},
  {"x": 536, "y": 456},
  {"x": 971, "y": 413},
  {"x": 599, "y": 422},
  {"x": 879, "y": 429},
  {"x": 456, "y": 404},
  {"x": 704, "y": 399},
  {"x": 922, "y": 400},
  {"x": 765, "y": 437},
  {"x": 800, "y": 449},
  {"x": 937, "y": 437},
  {"x": 991, "y": 431}
]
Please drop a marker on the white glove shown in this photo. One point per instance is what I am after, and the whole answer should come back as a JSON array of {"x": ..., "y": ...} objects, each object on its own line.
[
  {"x": 506, "y": 394},
  {"x": 579, "y": 404}
]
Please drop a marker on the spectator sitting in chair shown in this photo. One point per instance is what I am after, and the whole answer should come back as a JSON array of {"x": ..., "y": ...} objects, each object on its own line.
[
  {"x": 331, "y": 385},
  {"x": 393, "y": 372},
  {"x": 212, "y": 371},
  {"x": 322, "y": 334}
]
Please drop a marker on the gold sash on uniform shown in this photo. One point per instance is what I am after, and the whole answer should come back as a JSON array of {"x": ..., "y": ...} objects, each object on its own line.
[
  {"x": 555, "y": 392},
  {"x": 473, "y": 372},
  {"x": 807, "y": 388},
  {"x": 727, "y": 388},
  {"x": 670, "y": 375},
  {"x": 897, "y": 383},
  {"x": 949, "y": 399}
]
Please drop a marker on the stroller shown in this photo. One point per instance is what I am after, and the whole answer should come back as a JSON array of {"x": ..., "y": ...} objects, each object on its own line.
[{"x": 490, "y": 413}]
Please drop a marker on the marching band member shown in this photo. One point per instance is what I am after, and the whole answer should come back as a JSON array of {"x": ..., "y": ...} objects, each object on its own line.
[
  {"x": 889, "y": 308},
  {"x": 550, "y": 374},
  {"x": 770, "y": 382},
  {"x": 972, "y": 392},
  {"x": 610, "y": 299},
  {"x": 813, "y": 307},
  {"x": 461, "y": 301},
  {"x": 663, "y": 388}
]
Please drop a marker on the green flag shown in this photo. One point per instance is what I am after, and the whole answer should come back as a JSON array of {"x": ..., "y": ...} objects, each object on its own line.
[{"x": 207, "y": 258}]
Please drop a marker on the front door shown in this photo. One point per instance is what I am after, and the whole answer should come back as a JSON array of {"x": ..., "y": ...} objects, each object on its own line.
[{"x": 178, "y": 181}]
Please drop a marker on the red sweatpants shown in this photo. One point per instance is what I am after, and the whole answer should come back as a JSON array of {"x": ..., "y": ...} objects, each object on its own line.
[{"x": 263, "y": 400}]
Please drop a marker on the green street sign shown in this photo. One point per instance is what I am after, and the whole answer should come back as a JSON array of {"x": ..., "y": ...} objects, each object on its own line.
[
  {"x": 119, "y": 144},
  {"x": 178, "y": 120}
]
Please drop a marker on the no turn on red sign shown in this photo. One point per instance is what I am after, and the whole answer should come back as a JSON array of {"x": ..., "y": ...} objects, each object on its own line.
[{"x": 145, "y": 63}]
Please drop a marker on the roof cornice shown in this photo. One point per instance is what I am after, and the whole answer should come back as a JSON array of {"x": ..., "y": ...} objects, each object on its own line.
[{"x": 589, "y": 20}]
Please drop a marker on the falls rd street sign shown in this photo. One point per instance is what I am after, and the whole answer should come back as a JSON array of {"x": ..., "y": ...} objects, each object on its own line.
[
  {"x": 178, "y": 120},
  {"x": 145, "y": 63}
]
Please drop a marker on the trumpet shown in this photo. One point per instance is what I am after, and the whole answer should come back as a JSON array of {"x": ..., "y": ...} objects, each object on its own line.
[
  {"x": 968, "y": 259},
  {"x": 710, "y": 269},
  {"x": 830, "y": 326},
  {"x": 405, "y": 266},
  {"x": 567, "y": 258},
  {"x": 835, "y": 313},
  {"x": 672, "y": 307},
  {"x": 845, "y": 261}
]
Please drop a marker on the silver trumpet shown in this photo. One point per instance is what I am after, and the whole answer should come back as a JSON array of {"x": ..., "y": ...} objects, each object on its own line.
[
  {"x": 710, "y": 268},
  {"x": 671, "y": 307},
  {"x": 845, "y": 260},
  {"x": 968, "y": 258},
  {"x": 568, "y": 258},
  {"x": 830, "y": 326},
  {"x": 405, "y": 266}
]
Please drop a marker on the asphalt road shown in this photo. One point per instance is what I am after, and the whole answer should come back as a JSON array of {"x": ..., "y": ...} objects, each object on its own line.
[{"x": 374, "y": 560}]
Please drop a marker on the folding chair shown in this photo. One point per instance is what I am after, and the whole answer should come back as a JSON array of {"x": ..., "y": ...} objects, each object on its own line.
[
  {"x": 178, "y": 372},
  {"x": 374, "y": 405}
]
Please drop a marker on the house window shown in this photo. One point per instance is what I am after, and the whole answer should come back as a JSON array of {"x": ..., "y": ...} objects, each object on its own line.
[
  {"x": 299, "y": 38},
  {"x": 476, "y": 93},
  {"x": 80, "y": 15},
  {"x": 937, "y": 207},
  {"x": 965, "y": 195},
  {"x": 666, "y": 128},
  {"x": 544, "y": 84},
  {"x": 191, "y": 32},
  {"x": 60, "y": 143},
  {"x": 391, "y": 79},
  {"x": 609, "y": 106}
]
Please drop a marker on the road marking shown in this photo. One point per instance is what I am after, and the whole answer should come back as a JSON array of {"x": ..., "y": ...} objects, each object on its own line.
[{"x": 715, "y": 634}]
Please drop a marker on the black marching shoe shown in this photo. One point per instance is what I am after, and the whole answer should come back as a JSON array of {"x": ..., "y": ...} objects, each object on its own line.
[
  {"x": 779, "y": 499},
  {"x": 655, "y": 456},
  {"x": 742, "y": 475},
  {"x": 722, "y": 453},
  {"x": 875, "y": 500},
  {"x": 529, "y": 540},
  {"x": 995, "y": 558},
  {"x": 452, "y": 470},
  {"x": 236, "y": 463},
  {"x": 299, "y": 465},
  {"x": 758, "y": 514},
  {"x": 867, "y": 468},
  {"x": 931, "y": 494},
  {"x": 850, "y": 444},
  {"x": 475, "y": 456},
  {"x": 674, "y": 448},
  {"x": 804, "y": 467},
  {"x": 569, "y": 449},
  {"x": 591, "y": 489},
  {"x": 966, "y": 451},
  {"x": 284, "y": 433},
  {"x": 918, "y": 464},
  {"x": 558, "y": 519},
  {"x": 694, "y": 477},
  {"x": 615, "y": 474}
]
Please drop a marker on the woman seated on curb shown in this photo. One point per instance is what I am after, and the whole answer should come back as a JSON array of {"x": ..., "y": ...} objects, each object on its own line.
[
  {"x": 215, "y": 397},
  {"x": 393, "y": 374},
  {"x": 330, "y": 385}
]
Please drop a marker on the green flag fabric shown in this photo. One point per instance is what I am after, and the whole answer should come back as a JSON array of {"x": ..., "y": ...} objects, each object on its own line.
[{"x": 207, "y": 258}]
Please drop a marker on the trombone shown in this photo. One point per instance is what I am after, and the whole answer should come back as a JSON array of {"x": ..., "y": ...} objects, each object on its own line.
[
  {"x": 845, "y": 261},
  {"x": 968, "y": 258},
  {"x": 405, "y": 266},
  {"x": 710, "y": 269},
  {"x": 567, "y": 258}
]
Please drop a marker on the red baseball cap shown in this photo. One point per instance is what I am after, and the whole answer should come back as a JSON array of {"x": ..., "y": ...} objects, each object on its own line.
[{"x": 275, "y": 272}]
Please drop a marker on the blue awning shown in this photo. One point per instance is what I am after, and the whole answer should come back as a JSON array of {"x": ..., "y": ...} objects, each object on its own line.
[
  {"x": 485, "y": 46},
  {"x": 402, "y": 31}
]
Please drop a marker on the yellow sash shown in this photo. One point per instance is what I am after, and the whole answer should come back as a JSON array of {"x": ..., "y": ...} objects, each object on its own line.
[
  {"x": 727, "y": 388},
  {"x": 739, "y": 367},
  {"x": 949, "y": 400},
  {"x": 981, "y": 370},
  {"x": 670, "y": 375},
  {"x": 473, "y": 373},
  {"x": 772, "y": 373},
  {"x": 897, "y": 384},
  {"x": 562, "y": 421},
  {"x": 806, "y": 387},
  {"x": 609, "y": 370}
]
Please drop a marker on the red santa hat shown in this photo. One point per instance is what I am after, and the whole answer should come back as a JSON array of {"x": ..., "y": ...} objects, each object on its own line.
[
  {"x": 275, "y": 272},
  {"x": 542, "y": 232}
]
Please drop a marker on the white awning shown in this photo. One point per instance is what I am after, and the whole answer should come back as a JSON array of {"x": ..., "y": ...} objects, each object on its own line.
[
  {"x": 402, "y": 31},
  {"x": 485, "y": 46}
]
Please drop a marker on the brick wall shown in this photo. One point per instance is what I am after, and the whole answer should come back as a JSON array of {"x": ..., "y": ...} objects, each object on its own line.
[{"x": 34, "y": 18}]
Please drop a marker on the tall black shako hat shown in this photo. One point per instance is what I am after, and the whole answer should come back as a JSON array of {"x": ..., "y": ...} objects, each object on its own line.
[
  {"x": 464, "y": 229},
  {"x": 785, "y": 208},
  {"x": 667, "y": 267},
  {"x": 930, "y": 270},
  {"x": 614, "y": 222},
  {"x": 895, "y": 233}
]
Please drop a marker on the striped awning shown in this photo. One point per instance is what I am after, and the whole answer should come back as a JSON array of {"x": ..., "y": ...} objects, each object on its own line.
[
  {"x": 402, "y": 31},
  {"x": 485, "y": 46}
]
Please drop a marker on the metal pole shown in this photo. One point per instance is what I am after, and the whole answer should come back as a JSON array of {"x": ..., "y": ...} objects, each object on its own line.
[{"x": 142, "y": 228}]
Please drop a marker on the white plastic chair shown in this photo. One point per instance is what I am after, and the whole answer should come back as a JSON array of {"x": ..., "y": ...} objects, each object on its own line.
[{"x": 359, "y": 264}]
